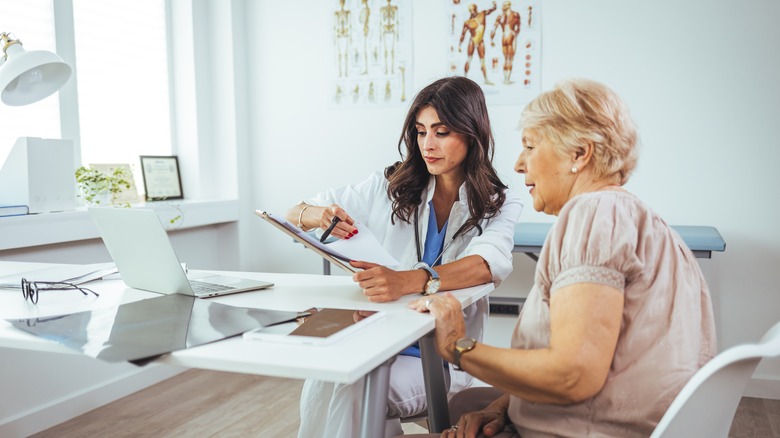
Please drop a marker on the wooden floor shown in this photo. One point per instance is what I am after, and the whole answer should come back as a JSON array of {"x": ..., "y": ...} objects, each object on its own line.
[
  {"x": 201, "y": 403},
  {"x": 195, "y": 404}
]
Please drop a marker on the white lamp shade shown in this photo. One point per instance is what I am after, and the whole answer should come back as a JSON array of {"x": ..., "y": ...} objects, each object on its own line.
[{"x": 28, "y": 77}]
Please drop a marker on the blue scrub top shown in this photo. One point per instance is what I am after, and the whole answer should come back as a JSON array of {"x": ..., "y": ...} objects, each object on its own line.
[{"x": 434, "y": 244}]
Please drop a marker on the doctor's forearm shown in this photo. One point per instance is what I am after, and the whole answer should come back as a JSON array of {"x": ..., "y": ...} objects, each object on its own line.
[{"x": 466, "y": 272}]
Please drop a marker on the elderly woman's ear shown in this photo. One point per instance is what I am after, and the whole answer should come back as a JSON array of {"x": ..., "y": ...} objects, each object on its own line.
[{"x": 582, "y": 155}]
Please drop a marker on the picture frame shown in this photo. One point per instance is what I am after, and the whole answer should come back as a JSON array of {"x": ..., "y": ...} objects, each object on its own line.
[{"x": 162, "y": 178}]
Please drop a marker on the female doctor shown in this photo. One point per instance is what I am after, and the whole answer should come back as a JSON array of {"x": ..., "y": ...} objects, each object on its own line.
[{"x": 444, "y": 214}]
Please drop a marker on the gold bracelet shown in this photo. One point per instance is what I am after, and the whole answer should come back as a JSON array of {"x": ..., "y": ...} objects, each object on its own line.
[{"x": 300, "y": 217}]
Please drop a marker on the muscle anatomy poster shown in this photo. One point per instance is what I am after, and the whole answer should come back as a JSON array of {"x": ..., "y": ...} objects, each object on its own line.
[
  {"x": 498, "y": 45},
  {"x": 372, "y": 52}
]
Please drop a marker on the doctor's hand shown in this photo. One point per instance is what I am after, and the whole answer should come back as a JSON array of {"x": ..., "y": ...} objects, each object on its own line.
[
  {"x": 382, "y": 284},
  {"x": 450, "y": 324},
  {"x": 344, "y": 229}
]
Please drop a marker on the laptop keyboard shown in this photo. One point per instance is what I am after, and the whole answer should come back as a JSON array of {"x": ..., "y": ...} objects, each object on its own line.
[{"x": 200, "y": 287}]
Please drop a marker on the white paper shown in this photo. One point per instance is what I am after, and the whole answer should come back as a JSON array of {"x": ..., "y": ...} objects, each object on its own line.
[{"x": 363, "y": 246}]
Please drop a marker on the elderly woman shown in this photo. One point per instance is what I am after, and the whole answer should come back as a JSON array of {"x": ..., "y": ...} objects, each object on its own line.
[{"x": 619, "y": 317}]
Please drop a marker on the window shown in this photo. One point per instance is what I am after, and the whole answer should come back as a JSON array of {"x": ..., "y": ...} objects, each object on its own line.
[
  {"x": 121, "y": 57},
  {"x": 33, "y": 25},
  {"x": 122, "y": 78}
]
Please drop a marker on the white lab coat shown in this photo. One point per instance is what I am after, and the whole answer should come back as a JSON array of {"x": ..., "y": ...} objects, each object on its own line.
[{"x": 330, "y": 410}]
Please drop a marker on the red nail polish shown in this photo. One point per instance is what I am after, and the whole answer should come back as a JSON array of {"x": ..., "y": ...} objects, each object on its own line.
[{"x": 355, "y": 232}]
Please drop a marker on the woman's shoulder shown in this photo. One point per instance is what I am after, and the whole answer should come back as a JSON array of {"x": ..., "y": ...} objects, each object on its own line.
[
  {"x": 594, "y": 217},
  {"x": 375, "y": 180},
  {"x": 612, "y": 203},
  {"x": 378, "y": 175},
  {"x": 513, "y": 203},
  {"x": 511, "y": 195},
  {"x": 598, "y": 229}
]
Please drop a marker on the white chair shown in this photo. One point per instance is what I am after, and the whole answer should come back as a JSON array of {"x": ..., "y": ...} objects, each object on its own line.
[{"x": 706, "y": 405}]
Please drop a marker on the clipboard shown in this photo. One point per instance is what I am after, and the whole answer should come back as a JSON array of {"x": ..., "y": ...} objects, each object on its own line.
[{"x": 307, "y": 241}]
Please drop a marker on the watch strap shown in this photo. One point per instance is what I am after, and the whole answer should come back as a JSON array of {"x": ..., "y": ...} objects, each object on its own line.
[
  {"x": 431, "y": 272},
  {"x": 432, "y": 285}
]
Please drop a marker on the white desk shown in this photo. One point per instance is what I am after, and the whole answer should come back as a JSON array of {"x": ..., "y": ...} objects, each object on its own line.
[{"x": 364, "y": 354}]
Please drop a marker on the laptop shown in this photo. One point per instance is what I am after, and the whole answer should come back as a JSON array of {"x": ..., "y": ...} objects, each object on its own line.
[{"x": 139, "y": 245}]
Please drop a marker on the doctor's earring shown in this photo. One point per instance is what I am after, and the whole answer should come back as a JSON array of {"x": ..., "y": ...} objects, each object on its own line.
[{"x": 573, "y": 170}]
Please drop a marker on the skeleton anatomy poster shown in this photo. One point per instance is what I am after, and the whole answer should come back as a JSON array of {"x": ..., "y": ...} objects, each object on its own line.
[
  {"x": 498, "y": 45},
  {"x": 372, "y": 52}
]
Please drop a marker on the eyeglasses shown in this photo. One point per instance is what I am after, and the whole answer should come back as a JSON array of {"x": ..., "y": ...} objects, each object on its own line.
[{"x": 30, "y": 288}]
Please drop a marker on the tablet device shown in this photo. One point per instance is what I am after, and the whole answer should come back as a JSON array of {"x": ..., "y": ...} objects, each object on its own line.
[{"x": 323, "y": 327}]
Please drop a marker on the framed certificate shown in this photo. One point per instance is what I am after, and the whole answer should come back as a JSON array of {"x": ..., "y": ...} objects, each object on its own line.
[{"x": 162, "y": 179}]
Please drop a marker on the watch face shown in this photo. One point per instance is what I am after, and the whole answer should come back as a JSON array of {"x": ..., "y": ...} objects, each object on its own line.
[
  {"x": 433, "y": 286},
  {"x": 465, "y": 343}
]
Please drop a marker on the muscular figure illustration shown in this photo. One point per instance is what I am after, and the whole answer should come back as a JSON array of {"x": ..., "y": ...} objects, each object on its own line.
[
  {"x": 388, "y": 15},
  {"x": 509, "y": 21},
  {"x": 365, "y": 12},
  {"x": 343, "y": 33},
  {"x": 475, "y": 26}
]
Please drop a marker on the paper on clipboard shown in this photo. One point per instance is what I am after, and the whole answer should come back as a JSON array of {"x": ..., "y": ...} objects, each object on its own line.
[{"x": 363, "y": 246}]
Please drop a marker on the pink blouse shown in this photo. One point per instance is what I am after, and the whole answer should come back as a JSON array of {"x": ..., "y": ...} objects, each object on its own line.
[{"x": 668, "y": 331}]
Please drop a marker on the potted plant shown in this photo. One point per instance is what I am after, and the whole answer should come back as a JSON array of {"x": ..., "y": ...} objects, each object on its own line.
[{"x": 99, "y": 187}]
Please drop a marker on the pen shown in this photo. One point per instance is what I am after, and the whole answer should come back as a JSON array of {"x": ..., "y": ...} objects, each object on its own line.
[{"x": 330, "y": 228}]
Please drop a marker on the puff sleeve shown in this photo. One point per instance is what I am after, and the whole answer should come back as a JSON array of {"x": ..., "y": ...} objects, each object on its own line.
[{"x": 596, "y": 240}]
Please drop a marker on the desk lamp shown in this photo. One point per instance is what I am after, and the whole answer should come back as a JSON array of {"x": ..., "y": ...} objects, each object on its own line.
[
  {"x": 38, "y": 172},
  {"x": 27, "y": 77}
]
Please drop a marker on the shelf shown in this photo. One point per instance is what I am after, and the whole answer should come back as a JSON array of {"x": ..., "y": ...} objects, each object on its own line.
[{"x": 71, "y": 226}]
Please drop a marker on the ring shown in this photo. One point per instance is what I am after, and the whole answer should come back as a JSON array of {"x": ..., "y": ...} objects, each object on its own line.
[
  {"x": 428, "y": 303},
  {"x": 455, "y": 427}
]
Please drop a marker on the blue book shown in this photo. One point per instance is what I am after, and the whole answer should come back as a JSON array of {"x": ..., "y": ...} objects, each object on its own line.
[{"x": 13, "y": 210}]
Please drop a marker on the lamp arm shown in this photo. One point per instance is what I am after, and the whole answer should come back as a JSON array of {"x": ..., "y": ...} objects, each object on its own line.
[{"x": 7, "y": 39}]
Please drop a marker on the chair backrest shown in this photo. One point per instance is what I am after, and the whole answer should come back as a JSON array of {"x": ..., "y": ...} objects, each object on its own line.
[{"x": 706, "y": 405}]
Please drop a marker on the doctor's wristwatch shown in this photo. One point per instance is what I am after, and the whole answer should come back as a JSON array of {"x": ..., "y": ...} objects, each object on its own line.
[
  {"x": 463, "y": 346},
  {"x": 433, "y": 283}
]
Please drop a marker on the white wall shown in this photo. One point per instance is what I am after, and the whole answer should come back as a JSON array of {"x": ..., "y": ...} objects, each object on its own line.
[{"x": 700, "y": 76}]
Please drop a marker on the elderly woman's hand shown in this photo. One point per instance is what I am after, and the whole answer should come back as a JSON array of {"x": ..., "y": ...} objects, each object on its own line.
[
  {"x": 487, "y": 423},
  {"x": 450, "y": 325}
]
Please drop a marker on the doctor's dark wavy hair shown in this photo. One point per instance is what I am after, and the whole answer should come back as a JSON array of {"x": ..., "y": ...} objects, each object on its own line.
[{"x": 460, "y": 105}]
